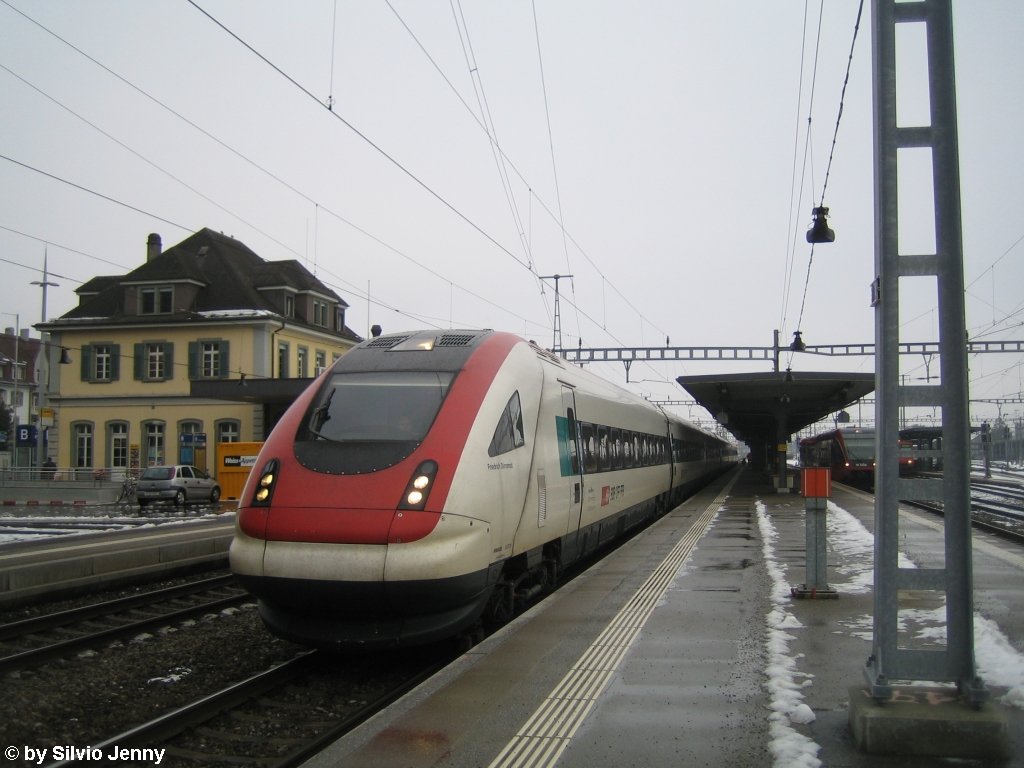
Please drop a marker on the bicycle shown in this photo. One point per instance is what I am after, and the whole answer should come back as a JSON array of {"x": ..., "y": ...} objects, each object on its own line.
[{"x": 129, "y": 491}]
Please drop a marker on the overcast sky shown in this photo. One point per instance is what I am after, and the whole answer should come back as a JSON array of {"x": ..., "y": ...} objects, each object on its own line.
[{"x": 679, "y": 144}]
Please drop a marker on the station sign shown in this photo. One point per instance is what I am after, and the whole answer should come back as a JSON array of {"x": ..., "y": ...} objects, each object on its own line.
[{"x": 25, "y": 436}]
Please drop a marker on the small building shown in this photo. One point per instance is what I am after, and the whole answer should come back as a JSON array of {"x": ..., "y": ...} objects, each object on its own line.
[
  {"x": 206, "y": 310},
  {"x": 19, "y": 392}
]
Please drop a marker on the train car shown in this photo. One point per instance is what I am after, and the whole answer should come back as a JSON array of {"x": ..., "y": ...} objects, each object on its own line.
[
  {"x": 849, "y": 451},
  {"x": 430, "y": 482},
  {"x": 921, "y": 449}
]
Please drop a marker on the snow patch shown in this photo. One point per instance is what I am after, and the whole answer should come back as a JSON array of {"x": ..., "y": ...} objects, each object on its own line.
[{"x": 789, "y": 747}]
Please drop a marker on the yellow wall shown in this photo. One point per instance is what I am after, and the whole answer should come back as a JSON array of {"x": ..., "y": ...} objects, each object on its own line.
[{"x": 252, "y": 350}]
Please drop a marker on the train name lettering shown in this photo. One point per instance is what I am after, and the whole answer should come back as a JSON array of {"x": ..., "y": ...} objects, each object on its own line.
[
  {"x": 610, "y": 493},
  {"x": 501, "y": 465}
]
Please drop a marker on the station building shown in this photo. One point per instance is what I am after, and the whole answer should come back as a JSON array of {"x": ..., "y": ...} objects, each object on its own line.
[{"x": 208, "y": 311}]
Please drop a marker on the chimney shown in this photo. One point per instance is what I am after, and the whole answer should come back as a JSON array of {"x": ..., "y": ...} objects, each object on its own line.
[
  {"x": 153, "y": 247},
  {"x": 9, "y": 330}
]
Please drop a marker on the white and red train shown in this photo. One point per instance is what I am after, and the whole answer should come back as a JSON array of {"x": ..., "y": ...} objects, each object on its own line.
[{"x": 429, "y": 482}]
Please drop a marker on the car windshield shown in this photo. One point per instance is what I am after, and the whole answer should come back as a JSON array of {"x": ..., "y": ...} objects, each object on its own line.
[
  {"x": 380, "y": 406},
  {"x": 158, "y": 473}
]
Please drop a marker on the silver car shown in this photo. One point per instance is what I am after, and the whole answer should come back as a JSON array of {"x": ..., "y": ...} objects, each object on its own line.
[{"x": 179, "y": 483}]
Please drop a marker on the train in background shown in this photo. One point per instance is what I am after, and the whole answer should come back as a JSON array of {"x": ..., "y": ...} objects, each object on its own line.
[
  {"x": 921, "y": 449},
  {"x": 849, "y": 451},
  {"x": 430, "y": 483}
]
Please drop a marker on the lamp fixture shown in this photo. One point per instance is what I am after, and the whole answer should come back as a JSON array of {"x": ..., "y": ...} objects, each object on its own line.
[{"x": 820, "y": 232}]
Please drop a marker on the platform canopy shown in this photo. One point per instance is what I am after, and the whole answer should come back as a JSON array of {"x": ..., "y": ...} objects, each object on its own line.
[{"x": 766, "y": 407}]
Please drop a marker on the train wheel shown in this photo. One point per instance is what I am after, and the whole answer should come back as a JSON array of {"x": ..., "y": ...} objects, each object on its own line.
[{"x": 501, "y": 607}]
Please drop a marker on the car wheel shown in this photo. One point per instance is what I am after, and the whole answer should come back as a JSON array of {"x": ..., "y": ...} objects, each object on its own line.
[
  {"x": 179, "y": 498},
  {"x": 215, "y": 495}
]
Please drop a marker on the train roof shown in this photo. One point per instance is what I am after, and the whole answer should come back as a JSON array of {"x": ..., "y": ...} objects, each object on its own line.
[{"x": 844, "y": 431}]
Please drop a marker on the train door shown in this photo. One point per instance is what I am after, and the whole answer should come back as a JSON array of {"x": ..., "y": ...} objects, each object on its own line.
[{"x": 570, "y": 465}]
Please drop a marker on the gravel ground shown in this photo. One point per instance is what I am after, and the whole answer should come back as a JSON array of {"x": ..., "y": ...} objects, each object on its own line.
[{"x": 99, "y": 693}]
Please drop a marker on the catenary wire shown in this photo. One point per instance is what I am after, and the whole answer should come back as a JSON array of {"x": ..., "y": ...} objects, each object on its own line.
[
  {"x": 366, "y": 139},
  {"x": 257, "y": 166}
]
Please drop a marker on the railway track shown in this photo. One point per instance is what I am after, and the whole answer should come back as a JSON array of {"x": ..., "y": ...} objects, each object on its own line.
[
  {"x": 41, "y": 638},
  {"x": 281, "y": 716},
  {"x": 1005, "y": 523}
]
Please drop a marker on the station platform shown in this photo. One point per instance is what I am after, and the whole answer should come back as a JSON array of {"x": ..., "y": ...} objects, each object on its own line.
[
  {"x": 685, "y": 647},
  {"x": 62, "y": 566}
]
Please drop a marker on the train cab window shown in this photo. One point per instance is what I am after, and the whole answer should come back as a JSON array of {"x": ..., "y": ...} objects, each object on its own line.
[
  {"x": 362, "y": 422},
  {"x": 389, "y": 405},
  {"x": 508, "y": 435}
]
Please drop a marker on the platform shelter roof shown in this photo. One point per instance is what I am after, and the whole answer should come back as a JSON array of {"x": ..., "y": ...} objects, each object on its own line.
[{"x": 757, "y": 407}]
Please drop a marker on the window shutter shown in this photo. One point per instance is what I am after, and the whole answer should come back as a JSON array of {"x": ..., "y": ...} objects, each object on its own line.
[
  {"x": 86, "y": 362},
  {"x": 140, "y": 362},
  {"x": 115, "y": 362},
  {"x": 168, "y": 360},
  {"x": 225, "y": 361},
  {"x": 193, "y": 359}
]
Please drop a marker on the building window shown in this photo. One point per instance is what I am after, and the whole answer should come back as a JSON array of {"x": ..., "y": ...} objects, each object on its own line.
[
  {"x": 339, "y": 319},
  {"x": 83, "y": 445},
  {"x": 154, "y": 361},
  {"x": 321, "y": 362},
  {"x": 155, "y": 442},
  {"x": 282, "y": 360},
  {"x": 208, "y": 359},
  {"x": 289, "y": 306},
  {"x": 319, "y": 313},
  {"x": 101, "y": 362},
  {"x": 156, "y": 301},
  {"x": 117, "y": 444},
  {"x": 228, "y": 431},
  {"x": 302, "y": 354}
]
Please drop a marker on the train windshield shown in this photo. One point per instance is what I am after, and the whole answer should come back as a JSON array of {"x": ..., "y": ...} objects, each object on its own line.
[
  {"x": 860, "y": 446},
  {"x": 381, "y": 406}
]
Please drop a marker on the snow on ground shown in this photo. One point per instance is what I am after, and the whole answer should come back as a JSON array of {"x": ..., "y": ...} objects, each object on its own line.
[
  {"x": 788, "y": 746},
  {"x": 998, "y": 662},
  {"x": 852, "y": 553}
]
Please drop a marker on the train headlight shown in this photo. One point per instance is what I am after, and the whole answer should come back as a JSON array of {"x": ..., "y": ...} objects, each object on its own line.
[
  {"x": 265, "y": 485},
  {"x": 418, "y": 489}
]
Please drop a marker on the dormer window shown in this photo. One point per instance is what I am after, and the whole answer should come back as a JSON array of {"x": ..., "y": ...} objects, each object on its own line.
[
  {"x": 289, "y": 306},
  {"x": 319, "y": 313},
  {"x": 158, "y": 300}
]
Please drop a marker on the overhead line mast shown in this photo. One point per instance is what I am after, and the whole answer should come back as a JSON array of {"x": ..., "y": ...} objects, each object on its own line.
[{"x": 556, "y": 341}]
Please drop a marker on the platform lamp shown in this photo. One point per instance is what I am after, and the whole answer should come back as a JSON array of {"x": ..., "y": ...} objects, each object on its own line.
[{"x": 820, "y": 232}]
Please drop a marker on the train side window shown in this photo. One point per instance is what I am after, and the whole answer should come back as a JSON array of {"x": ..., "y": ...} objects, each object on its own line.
[
  {"x": 588, "y": 442},
  {"x": 508, "y": 435},
  {"x": 604, "y": 451},
  {"x": 615, "y": 441}
]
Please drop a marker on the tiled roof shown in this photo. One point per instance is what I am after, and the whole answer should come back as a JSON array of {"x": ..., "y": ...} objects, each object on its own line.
[{"x": 226, "y": 270}]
